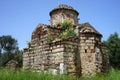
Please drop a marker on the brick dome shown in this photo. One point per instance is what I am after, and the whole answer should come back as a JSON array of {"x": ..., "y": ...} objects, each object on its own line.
[{"x": 65, "y": 7}]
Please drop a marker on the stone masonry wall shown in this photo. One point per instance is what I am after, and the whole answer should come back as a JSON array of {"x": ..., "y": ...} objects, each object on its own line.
[
  {"x": 78, "y": 54},
  {"x": 89, "y": 64},
  {"x": 59, "y": 16},
  {"x": 71, "y": 57},
  {"x": 49, "y": 57}
]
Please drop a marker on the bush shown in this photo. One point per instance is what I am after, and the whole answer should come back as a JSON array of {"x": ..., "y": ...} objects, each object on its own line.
[
  {"x": 70, "y": 32},
  {"x": 66, "y": 24},
  {"x": 62, "y": 36},
  {"x": 67, "y": 33},
  {"x": 49, "y": 39}
]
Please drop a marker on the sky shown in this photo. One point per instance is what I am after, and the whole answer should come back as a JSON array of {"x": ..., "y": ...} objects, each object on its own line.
[{"x": 19, "y": 18}]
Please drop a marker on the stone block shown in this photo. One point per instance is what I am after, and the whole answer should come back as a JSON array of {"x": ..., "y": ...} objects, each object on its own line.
[
  {"x": 88, "y": 41},
  {"x": 83, "y": 44},
  {"x": 83, "y": 37},
  {"x": 57, "y": 49},
  {"x": 92, "y": 38},
  {"x": 82, "y": 41}
]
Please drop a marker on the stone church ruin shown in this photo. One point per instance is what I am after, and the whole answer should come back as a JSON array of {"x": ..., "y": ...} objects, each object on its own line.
[{"x": 65, "y": 46}]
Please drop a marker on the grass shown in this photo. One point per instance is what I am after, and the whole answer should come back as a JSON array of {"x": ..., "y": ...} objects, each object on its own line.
[
  {"x": 112, "y": 75},
  {"x": 7, "y": 74}
]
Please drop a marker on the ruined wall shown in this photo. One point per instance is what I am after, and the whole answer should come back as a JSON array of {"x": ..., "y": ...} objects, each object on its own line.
[
  {"x": 58, "y": 57},
  {"x": 80, "y": 55},
  {"x": 71, "y": 56},
  {"x": 26, "y": 59},
  {"x": 91, "y": 60}
]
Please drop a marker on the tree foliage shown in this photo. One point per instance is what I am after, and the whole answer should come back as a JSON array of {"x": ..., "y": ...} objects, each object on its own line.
[
  {"x": 9, "y": 50},
  {"x": 113, "y": 43},
  {"x": 8, "y": 44}
]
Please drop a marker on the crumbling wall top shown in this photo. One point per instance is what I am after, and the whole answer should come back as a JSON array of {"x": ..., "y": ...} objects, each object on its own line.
[
  {"x": 64, "y": 6},
  {"x": 87, "y": 28},
  {"x": 39, "y": 30}
]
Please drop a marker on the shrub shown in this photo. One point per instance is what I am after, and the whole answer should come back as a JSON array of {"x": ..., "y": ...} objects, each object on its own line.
[
  {"x": 67, "y": 33},
  {"x": 71, "y": 32},
  {"x": 62, "y": 36},
  {"x": 66, "y": 24},
  {"x": 49, "y": 39},
  {"x": 29, "y": 43}
]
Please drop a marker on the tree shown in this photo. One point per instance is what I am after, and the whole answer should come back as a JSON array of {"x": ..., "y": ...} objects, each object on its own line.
[
  {"x": 18, "y": 57},
  {"x": 113, "y": 43},
  {"x": 8, "y": 49},
  {"x": 8, "y": 44}
]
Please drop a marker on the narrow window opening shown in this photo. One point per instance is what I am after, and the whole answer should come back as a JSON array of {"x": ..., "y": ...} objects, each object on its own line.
[
  {"x": 39, "y": 36},
  {"x": 96, "y": 56},
  {"x": 85, "y": 50}
]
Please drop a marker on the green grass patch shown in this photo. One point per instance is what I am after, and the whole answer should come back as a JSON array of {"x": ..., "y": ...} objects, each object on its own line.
[
  {"x": 7, "y": 74},
  {"x": 111, "y": 75}
]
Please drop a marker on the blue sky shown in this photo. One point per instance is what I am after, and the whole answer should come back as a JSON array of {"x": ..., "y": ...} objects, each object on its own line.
[{"x": 19, "y": 18}]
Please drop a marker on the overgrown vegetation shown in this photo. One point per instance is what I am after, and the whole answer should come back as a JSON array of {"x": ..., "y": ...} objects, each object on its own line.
[
  {"x": 69, "y": 31},
  {"x": 112, "y": 75},
  {"x": 29, "y": 43},
  {"x": 9, "y": 51},
  {"x": 7, "y": 74},
  {"x": 49, "y": 39},
  {"x": 66, "y": 24},
  {"x": 113, "y": 44},
  {"x": 62, "y": 36}
]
